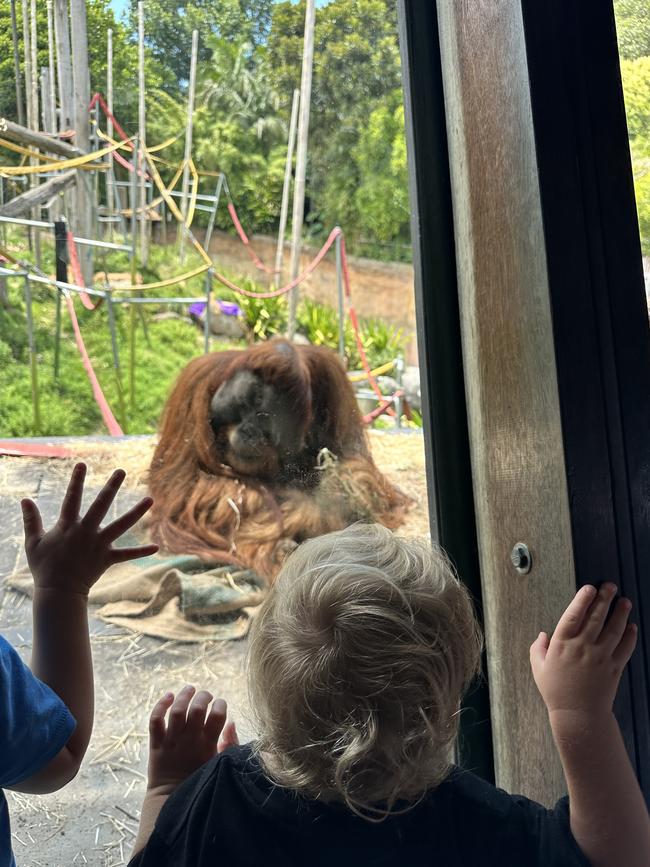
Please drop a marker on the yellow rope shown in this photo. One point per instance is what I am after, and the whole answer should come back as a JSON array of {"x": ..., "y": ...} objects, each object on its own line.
[
  {"x": 73, "y": 163},
  {"x": 173, "y": 207},
  {"x": 162, "y": 284},
  {"x": 360, "y": 377},
  {"x": 27, "y": 152}
]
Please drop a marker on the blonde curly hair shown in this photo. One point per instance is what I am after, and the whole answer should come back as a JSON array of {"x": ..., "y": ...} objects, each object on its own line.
[{"x": 358, "y": 661}]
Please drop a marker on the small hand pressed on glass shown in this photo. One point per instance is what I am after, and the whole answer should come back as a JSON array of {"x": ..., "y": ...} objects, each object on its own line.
[
  {"x": 579, "y": 669},
  {"x": 76, "y": 551},
  {"x": 192, "y": 735}
]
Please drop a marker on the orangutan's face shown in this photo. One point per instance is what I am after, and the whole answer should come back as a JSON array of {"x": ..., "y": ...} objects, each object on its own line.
[{"x": 255, "y": 425}]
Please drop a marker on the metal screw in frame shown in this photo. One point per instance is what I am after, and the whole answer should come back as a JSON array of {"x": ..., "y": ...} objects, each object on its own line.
[{"x": 521, "y": 558}]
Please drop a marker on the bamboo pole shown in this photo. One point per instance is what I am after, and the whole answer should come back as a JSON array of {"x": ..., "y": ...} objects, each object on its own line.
[
  {"x": 188, "y": 141},
  {"x": 142, "y": 139},
  {"x": 27, "y": 61},
  {"x": 33, "y": 182},
  {"x": 81, "y": 84},
  {"x": 34, "y": 50},
  {"x": 301, "y": 160},
  {"x": 134, "y": 235},
  {"x": 63, "y": 64},
  {"x": 50, "y": 59},
  {"x": 110, "y": 177},
  {"x": 46, "y": 106},
  {"x": 341, "y": 303},
  {"x": 19, "y": 85},
  {"x": 284, "y": 209}
]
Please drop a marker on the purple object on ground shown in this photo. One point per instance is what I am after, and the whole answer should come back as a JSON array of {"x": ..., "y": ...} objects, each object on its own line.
[
  {"x": 197, "y": 308},
  {"x": 229, "y": 308}
]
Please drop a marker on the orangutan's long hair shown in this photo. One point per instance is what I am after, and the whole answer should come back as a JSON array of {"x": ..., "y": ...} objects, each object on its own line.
[{"x": 202, "y": 506}]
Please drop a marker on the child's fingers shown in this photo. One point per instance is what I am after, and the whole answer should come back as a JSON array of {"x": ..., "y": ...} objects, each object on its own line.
[
  {"x": 625, "y": 649},
  {"x": 595, "y": 619},
  {"x": 121, "y": 555},
  {"x": 228, "y": 737},
  {"x": 216, "y": 719},
  {"x": 114, "y": 530},
  {"x": 178, "y": 712},
  {"x": 104, "y": 500},
  {"x": 614, "y": 629},
  {"x": 157, "y": 720},
  {"x": 198, "y": 709},
  {"x": 569, "y": 624},
  {"x": 32, "y": 522},
  {"x": 538, "y": 649},
  {"x": 72, "y": 500}
]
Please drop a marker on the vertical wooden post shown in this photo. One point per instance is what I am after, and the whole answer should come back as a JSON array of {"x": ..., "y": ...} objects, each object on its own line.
[
  {"x": 46, "y": 106},
  {"x": 34, "y": 65},
  {"x": 134, "y": 241},
  {"x": 81, "y": 82},
  {"x": 36, "y": 212},
  {"x": 188, "y": 139},
  {"x": 63, "y": 64},
  {"x": 284, "y": 208},
  {"x": 142, "y": 138},
  {"x": 27, "y": 62},
  {"x": 301, "y": 160},
  {"x": 19, "y": 86},
  {"x": 51, "y": 94}
]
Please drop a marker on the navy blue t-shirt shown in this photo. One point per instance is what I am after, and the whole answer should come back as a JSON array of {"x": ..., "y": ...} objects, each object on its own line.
[
  {"x": 229, "y": 812},
  {"x": 34, "y": 726}
]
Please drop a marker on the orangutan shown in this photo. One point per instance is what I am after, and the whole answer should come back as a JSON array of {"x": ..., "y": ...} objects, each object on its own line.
[{"x": 262, "y": 448}]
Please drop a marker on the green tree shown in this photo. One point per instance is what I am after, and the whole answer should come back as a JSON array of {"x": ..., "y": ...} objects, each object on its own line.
[
  {"x": 382, "y": 195},
  {"x": 633, "y": 28},
  {"x": 169, "y": 25},
  {"x": 356, "y": 68}
]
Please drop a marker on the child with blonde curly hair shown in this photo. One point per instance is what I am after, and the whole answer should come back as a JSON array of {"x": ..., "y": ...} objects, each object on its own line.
[{"x": 358, "y": 662}]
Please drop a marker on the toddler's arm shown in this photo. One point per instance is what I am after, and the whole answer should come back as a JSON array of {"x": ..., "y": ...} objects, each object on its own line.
[
  {"x": 179, "y": 747},
  {"x": 65, "y": 562},
  {"x": 578, "y": 673}
]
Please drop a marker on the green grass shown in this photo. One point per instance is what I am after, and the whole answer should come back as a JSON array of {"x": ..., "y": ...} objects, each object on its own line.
[{"x": 67, "y": 405}]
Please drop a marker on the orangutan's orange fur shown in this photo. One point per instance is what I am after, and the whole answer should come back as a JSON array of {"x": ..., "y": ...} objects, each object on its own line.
[{"x": 202, "y": 507}]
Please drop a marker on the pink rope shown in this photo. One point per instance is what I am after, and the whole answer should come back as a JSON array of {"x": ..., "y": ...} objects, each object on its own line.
[
  {"x": 245, "y": 241},
  {"x": 111, "y": 422},
  {"x": 296, "y": 282},
  {"x": 76, "y": 272},
  {"x": 34, "y": 450}
]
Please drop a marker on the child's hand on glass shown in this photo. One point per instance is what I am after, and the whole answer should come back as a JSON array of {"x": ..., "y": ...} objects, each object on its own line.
[
  {"x": 76, "y": 551},
  {"x": 189, "y": 738},
  {"x": 578, "y": 671}
]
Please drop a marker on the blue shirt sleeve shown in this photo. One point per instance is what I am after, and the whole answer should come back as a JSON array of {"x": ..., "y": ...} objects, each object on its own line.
[{"x": 34, "y": 723}]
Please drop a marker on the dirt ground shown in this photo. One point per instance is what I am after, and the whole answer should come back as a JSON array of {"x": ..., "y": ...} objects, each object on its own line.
[{"x": 93, "y": 820}]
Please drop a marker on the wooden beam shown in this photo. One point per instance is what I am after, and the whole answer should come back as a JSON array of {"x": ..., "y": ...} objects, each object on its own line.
[
  {"x": 30, "y": 138},
  {"x": 37, "y": 196}
]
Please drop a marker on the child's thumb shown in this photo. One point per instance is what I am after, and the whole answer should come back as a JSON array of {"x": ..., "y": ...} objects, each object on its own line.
[
  {"x": 32, "y": 522},
  {"x": 538, "y": 650}
]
